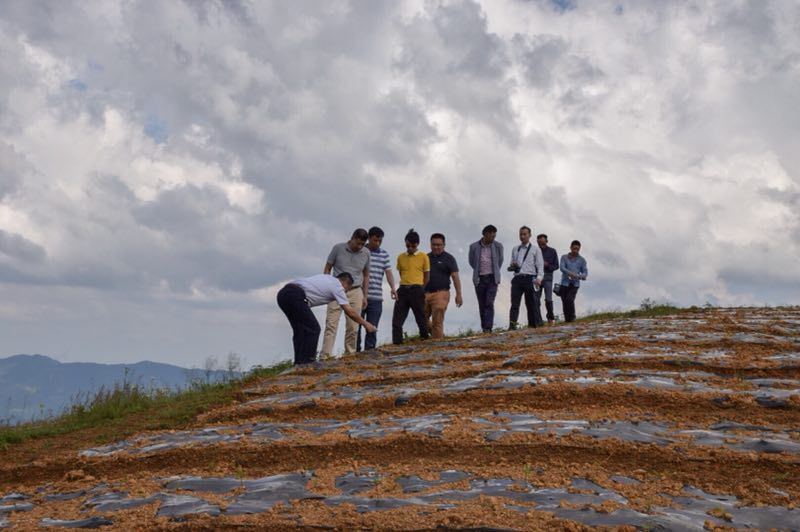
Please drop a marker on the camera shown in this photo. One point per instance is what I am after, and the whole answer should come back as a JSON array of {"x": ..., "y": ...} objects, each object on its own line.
[{"x": 514, "y": 267}]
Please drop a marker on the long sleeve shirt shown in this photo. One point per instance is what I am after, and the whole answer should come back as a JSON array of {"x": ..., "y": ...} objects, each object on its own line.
[
  {"x": 575, "y": 266},
  {"x": 530, "y": 265}
]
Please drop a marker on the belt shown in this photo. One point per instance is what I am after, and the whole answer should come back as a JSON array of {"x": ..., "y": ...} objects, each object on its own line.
[{"x": 486, "y": 275}]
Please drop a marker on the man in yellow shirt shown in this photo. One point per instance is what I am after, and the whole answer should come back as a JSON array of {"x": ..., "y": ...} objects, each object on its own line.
[{"x": 414, "y": 267}]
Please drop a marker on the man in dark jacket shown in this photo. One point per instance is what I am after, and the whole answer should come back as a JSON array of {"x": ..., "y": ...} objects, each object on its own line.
[
  {"x": 551, "y": 264},
  {"x": 486, "y": 259}
]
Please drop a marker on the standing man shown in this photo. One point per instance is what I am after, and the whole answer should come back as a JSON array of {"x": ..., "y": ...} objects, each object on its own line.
[
  {"x": 296, "y": 299},
  {"x": 526, "y": 263},
  {"x": 437, "y": 291},
  {"x": 379, "y": 263},
  {"x": 352, "y": 258},
  {"x": 486, "y": 259},
  {"x": 415, "y": 268},
  {"x": 573, "y": 270},
  {"x": 550, "y": 259}
]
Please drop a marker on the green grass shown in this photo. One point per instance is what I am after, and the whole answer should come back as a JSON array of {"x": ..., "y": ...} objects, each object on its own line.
[
  {"x": 128, "y": 408},
  {"x": 647, "y": 309}
]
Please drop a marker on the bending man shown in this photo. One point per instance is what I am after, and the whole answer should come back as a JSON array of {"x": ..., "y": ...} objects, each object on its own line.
[{"x": 296, "y": 299}]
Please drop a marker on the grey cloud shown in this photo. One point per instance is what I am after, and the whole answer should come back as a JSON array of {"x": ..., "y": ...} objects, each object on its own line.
[
  {"x": 457, "y": 63},
  {"x": 19, "y": 247}
]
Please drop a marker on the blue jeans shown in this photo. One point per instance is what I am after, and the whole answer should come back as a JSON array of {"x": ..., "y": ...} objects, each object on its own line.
[{"x": 373, "y": 315}]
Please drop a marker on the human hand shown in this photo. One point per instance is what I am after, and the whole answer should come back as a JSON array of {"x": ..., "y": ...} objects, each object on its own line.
[
  {"x": 459, "y": 300},
  {"x": 537, "y": 282},
  {"x": 394, "y": 294},
  {"x": 364, "y": 303},
  {"x": 370, "y": 328}
]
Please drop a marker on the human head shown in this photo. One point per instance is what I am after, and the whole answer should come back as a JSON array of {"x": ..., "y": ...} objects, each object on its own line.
[
  {"x": 437, "y": 243},
  {"x": 375, "y": 237},
  {"x": 524, "y": 234},
  {"x": 358, "y": 239},
  {"x": 541, "y": 239},
  {"x": 412, "y": 240},
  {"x": 489, "y": 232},
  {"x": 346, "y": 279},
  {"x": 575, "y": 247}
]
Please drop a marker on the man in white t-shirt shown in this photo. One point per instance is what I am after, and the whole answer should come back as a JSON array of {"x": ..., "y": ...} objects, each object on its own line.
[{"x": 296, "y": 299}]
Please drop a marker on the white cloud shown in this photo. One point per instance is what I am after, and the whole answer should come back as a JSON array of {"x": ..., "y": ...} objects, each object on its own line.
[{"x": 165, "y": 167}]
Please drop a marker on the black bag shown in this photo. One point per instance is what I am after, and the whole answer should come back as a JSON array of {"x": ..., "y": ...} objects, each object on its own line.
[{"x": 557, "y": 289}]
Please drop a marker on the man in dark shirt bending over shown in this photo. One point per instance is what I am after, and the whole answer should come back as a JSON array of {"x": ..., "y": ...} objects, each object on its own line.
[{"x": 437, "y": 291}]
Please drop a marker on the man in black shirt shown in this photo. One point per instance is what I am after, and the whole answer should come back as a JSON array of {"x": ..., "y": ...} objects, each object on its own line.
[
  {"x": 437, "y": 291},
  {"x": 550, "y": 258}
]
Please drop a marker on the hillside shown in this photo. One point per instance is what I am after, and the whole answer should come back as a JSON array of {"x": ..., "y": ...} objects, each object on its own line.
[
  {"x": 36, "y": 386},
  {"x": 682, "y": 421}
]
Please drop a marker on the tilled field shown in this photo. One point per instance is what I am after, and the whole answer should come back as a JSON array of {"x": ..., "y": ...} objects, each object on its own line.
[{"x": 689, "y": 421}]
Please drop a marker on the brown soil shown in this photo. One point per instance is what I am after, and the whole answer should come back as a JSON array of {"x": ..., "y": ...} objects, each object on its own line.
[{"x": 544, "y": 460}]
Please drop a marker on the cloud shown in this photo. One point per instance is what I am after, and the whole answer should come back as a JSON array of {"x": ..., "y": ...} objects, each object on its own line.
[{"x": 165, "y": 167}]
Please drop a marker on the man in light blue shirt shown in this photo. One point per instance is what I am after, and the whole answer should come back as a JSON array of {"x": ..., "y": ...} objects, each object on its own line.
[{"x": 573, "y": 270}]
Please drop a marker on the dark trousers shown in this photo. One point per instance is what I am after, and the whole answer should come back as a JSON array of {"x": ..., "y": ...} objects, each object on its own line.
[
  {"x": 522, "y": 285},
  {"x": 305, "y": 328},
  {"x": 568, "y": 294},
  {"x": 373, "y": 315},
  {"x": 409, "y": 297},
  {"x": 486, "y": 290}
]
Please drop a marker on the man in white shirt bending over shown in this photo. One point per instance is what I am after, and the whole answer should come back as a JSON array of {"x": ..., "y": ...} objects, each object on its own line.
[{"x": 296, "y": 299}]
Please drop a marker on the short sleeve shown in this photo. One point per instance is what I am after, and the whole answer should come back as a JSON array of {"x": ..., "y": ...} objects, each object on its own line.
[
  {"x": 332, "y": 255},
  {"x": 453, "y": 264},
  {"x": 339, "y": 293},
  {"x": 397, "y": 263},
  {"x": 387, "y": 262},
  {"x": 426, "y": 263}
]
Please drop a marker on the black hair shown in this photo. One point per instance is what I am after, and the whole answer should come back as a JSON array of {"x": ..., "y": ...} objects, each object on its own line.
[
  {"x": 360, "y": 234},
  {"x": 489, "y": 229},
  {"x": 575, "y": 243},
  {"x": 412, "y": 236},
  {"x": 438, "y": 235},
  {"x": 344, "y": 276},
  {"x": 376, "y": 231},
  {"x": 541, "y": 235},
  {"x": 525, "y": 227}
]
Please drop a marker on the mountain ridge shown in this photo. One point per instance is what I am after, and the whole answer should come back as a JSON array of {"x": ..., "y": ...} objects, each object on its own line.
[{"x": 36, "y": 386}]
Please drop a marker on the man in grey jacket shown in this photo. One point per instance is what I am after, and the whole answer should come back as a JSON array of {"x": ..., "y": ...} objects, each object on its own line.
[{"x": 486, "y": 259}]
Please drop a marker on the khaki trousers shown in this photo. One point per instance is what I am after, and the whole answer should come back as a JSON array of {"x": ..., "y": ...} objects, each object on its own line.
[
  {"x": 435, "y": 307},
  {"x": 355, "y": 296}
]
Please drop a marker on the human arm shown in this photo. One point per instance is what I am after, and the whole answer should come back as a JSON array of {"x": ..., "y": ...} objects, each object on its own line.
[
  {"x": 471, "y": 256},
  {"x": 500, "y": 252},
  {"x": 426, "y": 270},
  {"x": 565, "y": 269},
  {"x": 538, "y": 266},
  {"x": 356, "y": 317},
  {"x": 390, "y": 280},
  {"x": 365, "y": 286},
  {"x": 584, "y": 271},
  {"x": 457, "y": 285},
  {"x": 330, "y": 262}
]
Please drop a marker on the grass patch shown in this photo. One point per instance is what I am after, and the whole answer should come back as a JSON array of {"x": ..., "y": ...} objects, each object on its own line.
[
  {"x": 648, "y": 308},
  {"x": 128, "y": 408}
]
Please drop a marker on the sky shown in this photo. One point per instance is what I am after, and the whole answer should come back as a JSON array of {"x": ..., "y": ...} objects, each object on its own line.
[{"x": 166, "y": 166}]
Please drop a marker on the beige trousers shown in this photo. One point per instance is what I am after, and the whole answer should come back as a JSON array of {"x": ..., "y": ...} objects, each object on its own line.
[
  {"x": 356, "y": 297},
  {"x": 435, "y": 307}
]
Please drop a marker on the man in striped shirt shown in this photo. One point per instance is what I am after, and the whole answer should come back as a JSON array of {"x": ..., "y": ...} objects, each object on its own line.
[{"x": 379, "y": 263}]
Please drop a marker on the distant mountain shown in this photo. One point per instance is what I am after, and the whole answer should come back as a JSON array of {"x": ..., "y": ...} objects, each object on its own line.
[{"x": 36, "y": 386}]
